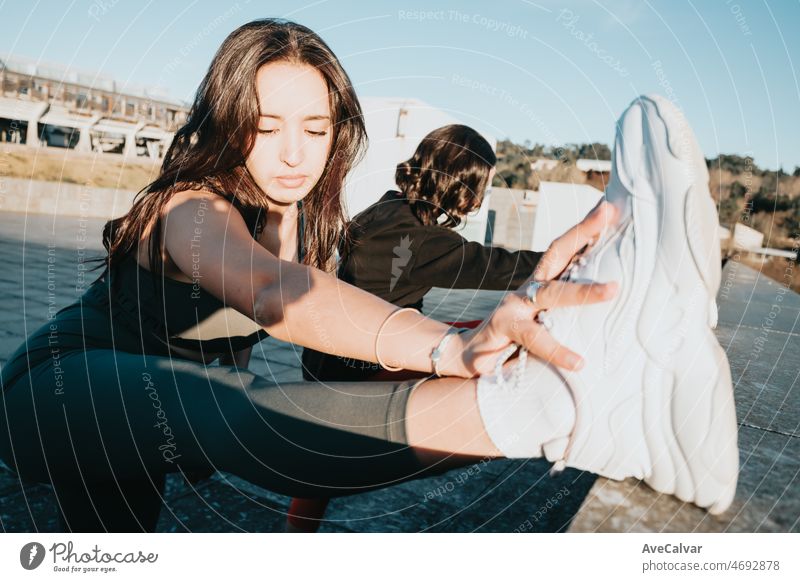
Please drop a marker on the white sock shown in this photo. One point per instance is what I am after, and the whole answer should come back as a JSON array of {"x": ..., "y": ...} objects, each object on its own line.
[{"x": 534, "y": 417}]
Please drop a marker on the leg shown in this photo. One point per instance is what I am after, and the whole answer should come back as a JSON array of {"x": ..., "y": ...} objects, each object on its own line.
[
  {"x": 121, "y": 417},
  {"x": 123, "y": 506},
  {"x": 443, "y": 422}
]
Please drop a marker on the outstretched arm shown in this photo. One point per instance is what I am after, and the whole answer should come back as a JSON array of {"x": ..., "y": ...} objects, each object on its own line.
[
  {"x": 209, "y": 242},
  {"x": 446, "y": 259}
]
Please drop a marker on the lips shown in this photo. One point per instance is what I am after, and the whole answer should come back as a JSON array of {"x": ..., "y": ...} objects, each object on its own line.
[{"x": 291, "y": 181}]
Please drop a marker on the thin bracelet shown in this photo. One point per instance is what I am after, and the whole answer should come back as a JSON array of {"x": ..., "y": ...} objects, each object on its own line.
[
  {"x": 378, "y": 335},
  {"x": 436, "y": 354}
]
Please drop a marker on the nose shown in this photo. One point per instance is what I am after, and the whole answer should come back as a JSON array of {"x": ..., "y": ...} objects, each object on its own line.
[{"x": 292, "y": 147}]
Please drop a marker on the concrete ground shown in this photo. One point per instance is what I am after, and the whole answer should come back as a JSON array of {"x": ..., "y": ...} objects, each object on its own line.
[{"x": 501, "y": 496}]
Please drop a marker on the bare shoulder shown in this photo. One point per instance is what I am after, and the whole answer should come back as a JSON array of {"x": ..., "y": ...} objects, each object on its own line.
[
  {"x": 178, "y": 220},
  {"x": 189, "y": 214},
  {"x": 192, "y": 219},
  {"x": 208, "y": 242},
  {"x": 197, "y": 200}
]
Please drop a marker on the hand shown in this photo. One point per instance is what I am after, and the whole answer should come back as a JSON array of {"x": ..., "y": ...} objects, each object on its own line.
[
  {"x": 514, "y": 321},
  {"x": 562, "y": 250}
]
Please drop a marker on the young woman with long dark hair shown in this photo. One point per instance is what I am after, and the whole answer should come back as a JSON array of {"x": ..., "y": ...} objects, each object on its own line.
[{"x": 219, "y": 251}]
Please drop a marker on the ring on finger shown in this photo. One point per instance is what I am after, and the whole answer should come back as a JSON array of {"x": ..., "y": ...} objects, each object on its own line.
[
  {"x": 533, "y": 290},
  {"x": 543, "y": 318}
]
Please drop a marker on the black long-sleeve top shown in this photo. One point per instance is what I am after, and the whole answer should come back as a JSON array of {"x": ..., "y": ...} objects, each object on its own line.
[{"x": 395, "y": 256}]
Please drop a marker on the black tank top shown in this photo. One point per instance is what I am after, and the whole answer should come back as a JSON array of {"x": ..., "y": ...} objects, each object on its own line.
[
  {"x": 183, "y": 314},
  {"x": 133, "y": 318}
]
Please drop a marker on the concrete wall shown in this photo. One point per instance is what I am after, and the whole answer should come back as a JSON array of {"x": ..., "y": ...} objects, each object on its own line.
[
  {"x": 62, "y": 199},
  {"x": 561, "y": 206},
  {"x": 745, "y": 237},
  {"x": 514, "y": 216}
]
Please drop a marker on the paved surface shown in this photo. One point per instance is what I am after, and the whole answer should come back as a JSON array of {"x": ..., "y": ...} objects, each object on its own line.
[
  {"x": 759, "y": 328},
  {"x": 501, "y": 496}
]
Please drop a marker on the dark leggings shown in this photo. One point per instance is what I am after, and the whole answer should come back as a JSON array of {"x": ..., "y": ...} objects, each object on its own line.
[{"x": 105, "y": 426}]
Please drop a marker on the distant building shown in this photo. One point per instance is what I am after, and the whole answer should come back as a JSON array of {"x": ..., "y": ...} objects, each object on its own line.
[
  {"x": 544, "y": 164},
  {"x": 603, "y": 166},
  {"x": 532, "y": 219},
  {"x": 52, "y": 105},
  {"x": 751, "y": 241},
  {"x": 512, "y": 215},
  {"x": 561, "y": 206},
  {"x": 597, "y": 172}
]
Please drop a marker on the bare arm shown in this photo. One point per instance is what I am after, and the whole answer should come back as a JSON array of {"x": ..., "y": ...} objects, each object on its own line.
[{"x": 209, "y": 241}]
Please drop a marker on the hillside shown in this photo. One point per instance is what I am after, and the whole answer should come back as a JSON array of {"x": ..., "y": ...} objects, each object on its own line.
[
  {"x": 766, "y": 200},
  {"x": 62, "y": 165}
]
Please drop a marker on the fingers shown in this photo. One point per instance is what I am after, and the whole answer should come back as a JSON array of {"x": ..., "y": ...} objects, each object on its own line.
[
  {"x": 564, "y": 293},
  {"x": 538, "y": 341},
  {"x": 534, "y": 337},
  {"x": 561, "y": 250}
]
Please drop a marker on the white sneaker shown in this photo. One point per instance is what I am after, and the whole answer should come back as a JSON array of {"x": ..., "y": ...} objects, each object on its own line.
[{"x": 654, "y": 399}]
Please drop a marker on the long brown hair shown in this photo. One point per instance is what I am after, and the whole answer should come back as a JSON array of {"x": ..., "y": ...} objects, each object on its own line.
[
  {"x": 210, "y": 150},
  {"x": 448, "y": 173}
]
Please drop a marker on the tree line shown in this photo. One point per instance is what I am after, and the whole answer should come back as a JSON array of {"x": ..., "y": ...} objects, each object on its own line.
[{"x": 768, "y": 200}]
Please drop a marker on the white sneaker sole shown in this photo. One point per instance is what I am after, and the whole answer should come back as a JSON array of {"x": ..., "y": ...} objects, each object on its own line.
[{"x": 671, "y": 419}]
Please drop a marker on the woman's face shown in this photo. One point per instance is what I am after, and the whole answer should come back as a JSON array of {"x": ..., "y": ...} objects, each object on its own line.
[{"x": 294, "y": 131}]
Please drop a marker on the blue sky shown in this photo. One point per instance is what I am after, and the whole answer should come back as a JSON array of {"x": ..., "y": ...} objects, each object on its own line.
[{"x": 550, "y": 72}]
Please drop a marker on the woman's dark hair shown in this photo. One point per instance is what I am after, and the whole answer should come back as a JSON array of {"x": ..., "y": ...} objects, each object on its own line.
[
  {"x": 210, "y": 150},
  {"x": 447, "y": 174}
]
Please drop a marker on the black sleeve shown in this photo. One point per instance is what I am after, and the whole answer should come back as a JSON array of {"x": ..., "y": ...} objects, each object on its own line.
[{"x": 446, "y": 259}]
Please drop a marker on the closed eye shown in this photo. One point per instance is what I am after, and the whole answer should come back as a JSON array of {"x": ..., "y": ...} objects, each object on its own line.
[{"x": 308, "y": 131}]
